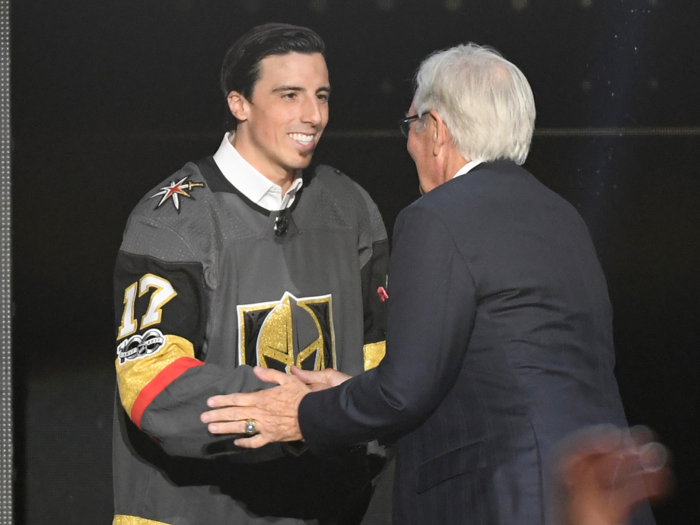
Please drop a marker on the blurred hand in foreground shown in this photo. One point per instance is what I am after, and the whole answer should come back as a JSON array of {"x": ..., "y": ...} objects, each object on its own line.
[
  {"x": 609, "y": 471},
  {"x": 274, "y": 412}
]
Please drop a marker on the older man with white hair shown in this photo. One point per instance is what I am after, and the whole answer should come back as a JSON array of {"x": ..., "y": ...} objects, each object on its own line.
[{"x": 499, "y": 340}]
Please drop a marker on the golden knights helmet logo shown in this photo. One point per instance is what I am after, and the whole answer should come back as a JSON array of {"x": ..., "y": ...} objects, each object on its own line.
[{"x": 287, "y": 332}]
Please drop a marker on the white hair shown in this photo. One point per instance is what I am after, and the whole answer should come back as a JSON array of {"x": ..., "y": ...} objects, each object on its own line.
[{"x": 484, "y": 100}]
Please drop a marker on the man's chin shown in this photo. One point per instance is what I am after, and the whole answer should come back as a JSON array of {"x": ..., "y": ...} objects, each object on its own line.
[
  {"x": 301, "y": 160},
  {"x": 304, "y": 159}
]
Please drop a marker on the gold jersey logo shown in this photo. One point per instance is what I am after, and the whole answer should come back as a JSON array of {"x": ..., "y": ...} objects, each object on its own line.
[{"x": 287, "y": 332}]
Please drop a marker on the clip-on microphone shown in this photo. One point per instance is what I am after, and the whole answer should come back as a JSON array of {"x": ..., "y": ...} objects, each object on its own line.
[{"x": 281, "y": 224}]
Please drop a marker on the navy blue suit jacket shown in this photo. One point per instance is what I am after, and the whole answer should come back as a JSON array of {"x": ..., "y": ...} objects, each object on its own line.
[{"x": 499, "y": 345}]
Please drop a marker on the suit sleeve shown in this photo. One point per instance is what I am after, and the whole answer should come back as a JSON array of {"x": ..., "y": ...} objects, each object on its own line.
[
  {"x": 160, "y": 313},
  {"x": 374, "y": 262},
  {"x": 431, "y": 315}
]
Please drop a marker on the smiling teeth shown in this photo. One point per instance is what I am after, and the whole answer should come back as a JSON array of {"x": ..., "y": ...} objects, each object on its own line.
[{"x": 302, "y": 139}]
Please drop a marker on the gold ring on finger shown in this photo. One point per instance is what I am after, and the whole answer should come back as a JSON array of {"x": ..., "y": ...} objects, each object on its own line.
[{"x": 249, "y": 428}]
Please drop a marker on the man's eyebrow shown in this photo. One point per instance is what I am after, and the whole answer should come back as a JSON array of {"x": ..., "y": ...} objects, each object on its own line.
[{"x": 286, "y": 87}]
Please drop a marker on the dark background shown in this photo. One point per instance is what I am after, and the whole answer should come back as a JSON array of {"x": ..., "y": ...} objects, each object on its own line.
[{"x": 111, "y": 96}]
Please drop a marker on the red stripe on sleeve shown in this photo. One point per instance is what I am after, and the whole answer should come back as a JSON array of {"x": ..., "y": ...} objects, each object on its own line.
[{"x": 159, "y": 383}]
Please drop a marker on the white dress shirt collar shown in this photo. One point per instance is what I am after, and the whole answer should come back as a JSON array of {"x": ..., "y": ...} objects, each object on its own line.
[
  {"x": 468, "y": 167},
  {"x": 250, "y": 182}
]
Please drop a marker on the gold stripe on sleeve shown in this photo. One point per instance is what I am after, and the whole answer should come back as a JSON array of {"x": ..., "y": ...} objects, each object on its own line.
[
  {"x": 121, "y": 519},
  {"x": 374, "y": 353},
  {"x": 134, "y": 375}
]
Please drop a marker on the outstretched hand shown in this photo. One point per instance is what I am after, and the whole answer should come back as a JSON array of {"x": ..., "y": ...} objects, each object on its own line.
[
  {"x": 609, "y": 471},
  {"x": 321, "y": 379},
  {"x": 274, "y": 412}
]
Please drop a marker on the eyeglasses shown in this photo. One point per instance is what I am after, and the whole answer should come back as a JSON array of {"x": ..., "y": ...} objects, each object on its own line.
[{"x": 405, "y": 124}]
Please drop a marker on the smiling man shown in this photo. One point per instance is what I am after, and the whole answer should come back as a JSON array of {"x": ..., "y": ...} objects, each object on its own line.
[{"x": 250, "y": 257}]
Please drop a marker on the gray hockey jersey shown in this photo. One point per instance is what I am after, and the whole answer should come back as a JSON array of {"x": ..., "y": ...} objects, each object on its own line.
[{"x": 208, "y": 284}]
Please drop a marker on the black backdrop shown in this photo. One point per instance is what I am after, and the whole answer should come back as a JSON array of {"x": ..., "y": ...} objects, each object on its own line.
[{"x": 110, "y": 97}]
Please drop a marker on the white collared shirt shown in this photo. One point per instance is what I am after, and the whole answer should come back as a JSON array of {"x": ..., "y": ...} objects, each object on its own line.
[
  {"x": 468, "y": 167},
  {"x": 250, "y": 182}
]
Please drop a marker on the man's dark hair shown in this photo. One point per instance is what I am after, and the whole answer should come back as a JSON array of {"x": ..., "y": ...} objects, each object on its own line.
[{"x": 241, "y": 68}]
